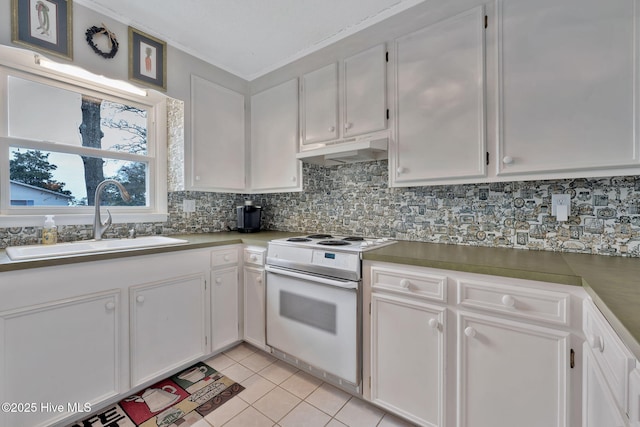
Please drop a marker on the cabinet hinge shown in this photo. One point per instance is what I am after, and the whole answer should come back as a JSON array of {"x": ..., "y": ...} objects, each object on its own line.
[
  {"x": 387, "y": 114},
  {"x": 487, "y": 158},
  {"x": 486, "y": 21},
  {"x": 572, "y": 359},
  {"x": 386, "y": 56}
]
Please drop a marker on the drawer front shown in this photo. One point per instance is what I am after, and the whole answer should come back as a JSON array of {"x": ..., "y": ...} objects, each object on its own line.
[
  {"x": 224, "y": 257},
  {"x": 533, "y": 304},
  {"x": 411, "y": 282},
  {"x": 254, "y": 256},
  {"x": 611, "y": 354}
]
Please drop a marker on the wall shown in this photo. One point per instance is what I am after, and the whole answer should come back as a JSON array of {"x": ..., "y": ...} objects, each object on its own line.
[{"x": 355, "y": 199}]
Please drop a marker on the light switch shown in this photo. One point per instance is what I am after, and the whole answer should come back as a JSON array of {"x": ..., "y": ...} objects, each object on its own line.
[{"x": 561, "y": 206}]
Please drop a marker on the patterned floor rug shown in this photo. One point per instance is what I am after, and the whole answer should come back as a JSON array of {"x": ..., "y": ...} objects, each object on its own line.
[{"x": 180, "y": 400}]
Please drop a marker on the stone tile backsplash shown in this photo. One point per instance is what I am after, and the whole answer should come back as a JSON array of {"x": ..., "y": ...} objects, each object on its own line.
[{"x": 355, "y": 199}]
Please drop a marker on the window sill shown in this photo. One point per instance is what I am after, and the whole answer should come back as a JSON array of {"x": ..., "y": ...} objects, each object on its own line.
[{"x": 8, "y": 221}]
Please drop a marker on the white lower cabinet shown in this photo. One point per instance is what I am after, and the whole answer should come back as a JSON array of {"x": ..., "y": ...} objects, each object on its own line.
[
  {"x": 254, "y": 306},
  {"x": 408, "y": 358},
  {"x": 634, "y": 397},
  {"x": 225, "y": 297},
  {"x": 167, "y": 322},
  {"x": 599, "y": 407},
  {"x": 59, "y": 353},
  {"x": 254, "y": 296},
  {"x": 445, "y": 348},
  {"x": 224, "y": 308},
  {"x": 511, "y": 374}
]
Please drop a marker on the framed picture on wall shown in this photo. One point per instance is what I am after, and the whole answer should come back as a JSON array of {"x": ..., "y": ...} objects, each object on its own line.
[
  {"x": 147, "y": 60},
  {"x": 43, "y": 25}
]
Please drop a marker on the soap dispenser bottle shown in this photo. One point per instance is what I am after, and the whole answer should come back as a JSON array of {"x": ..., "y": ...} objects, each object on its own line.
[{"x": 50, "y": 232}]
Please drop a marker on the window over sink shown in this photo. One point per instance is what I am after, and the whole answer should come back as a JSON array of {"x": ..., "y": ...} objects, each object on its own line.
[{"x": 60, "y": 137}]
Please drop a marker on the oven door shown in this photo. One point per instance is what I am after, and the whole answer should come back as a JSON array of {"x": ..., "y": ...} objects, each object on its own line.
[{"x": 315, "y": 319}]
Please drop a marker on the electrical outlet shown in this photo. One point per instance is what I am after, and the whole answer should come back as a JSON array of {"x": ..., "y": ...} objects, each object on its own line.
[
  {"x": 560, "y": 199},
  {"x": 188, "y": 206}
]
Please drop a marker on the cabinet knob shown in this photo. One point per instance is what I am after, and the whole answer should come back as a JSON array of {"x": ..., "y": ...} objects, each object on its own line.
[
  {"x": 401, "y": 170},
  {"x": 294, "y": 178},
  {"x": 253, "y": 257},
  {"x": 259, "y": 280},
  {"x": 470, "y": 332},
  {"x": 405, "y": 283},
  {"x": 507, "y": 160},
  {"x": 508, "y": 301},
  {"x": 433, "y": 323},
  {"x": 226, "y": 258},
  {"x": 140, "y": 298},
  {"x": 332, "y": 128},
  {"x": 218, "y": 280},
  {"x": 596, "y": 343},
  {"x": 197, "y": 177},
  {"x": 110, "y": 305},
  {"x": 348, "y": 125}
]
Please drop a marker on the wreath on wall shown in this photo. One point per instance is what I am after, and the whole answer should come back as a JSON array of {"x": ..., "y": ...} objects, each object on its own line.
[{"x": 111, "y": 37}]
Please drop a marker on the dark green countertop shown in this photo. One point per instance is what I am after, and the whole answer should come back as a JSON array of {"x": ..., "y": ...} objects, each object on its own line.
[{"x": 612, "y": 282}]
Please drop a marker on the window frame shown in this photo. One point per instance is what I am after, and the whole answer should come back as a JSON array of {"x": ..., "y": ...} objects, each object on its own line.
[{"x": 156, "y": 158}]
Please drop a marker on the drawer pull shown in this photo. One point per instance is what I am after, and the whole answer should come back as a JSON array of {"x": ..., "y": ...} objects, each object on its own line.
[
  {"x": 470, "y": 332},
  {"x": 434, "y": 324},
  {"x": 596, "y": 342},
  {"x": 140, "y": 298},
  {"x": 508, "y": 301},
  {"x": 110, "y": 305},
  {"x": 218, "y": 280},
  {"x": 405, "y": 283}
]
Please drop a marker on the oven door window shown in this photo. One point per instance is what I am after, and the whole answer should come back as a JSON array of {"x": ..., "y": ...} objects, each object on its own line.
[{"x": 316, "y": 323}]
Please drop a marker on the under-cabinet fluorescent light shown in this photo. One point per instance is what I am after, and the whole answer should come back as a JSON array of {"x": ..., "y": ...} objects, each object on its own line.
[{"x": 74, "y": 71}]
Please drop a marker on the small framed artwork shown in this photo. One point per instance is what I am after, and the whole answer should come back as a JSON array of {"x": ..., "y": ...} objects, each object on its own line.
[
  {"x": 147, "y": 60},
  {"x": 43, "y": 25}
]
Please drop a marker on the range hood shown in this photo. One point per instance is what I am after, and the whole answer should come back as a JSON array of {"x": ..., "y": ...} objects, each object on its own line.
[{"x": 365, "y": 150}]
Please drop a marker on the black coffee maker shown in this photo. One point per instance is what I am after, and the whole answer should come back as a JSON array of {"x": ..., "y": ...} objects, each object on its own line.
[{"x": 249, "y": 217}]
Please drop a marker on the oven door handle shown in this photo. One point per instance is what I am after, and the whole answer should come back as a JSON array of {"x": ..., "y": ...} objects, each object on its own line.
[{"x": 346, "y": 284}]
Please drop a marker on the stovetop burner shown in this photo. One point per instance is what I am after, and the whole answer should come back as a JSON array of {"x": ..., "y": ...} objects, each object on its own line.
[
  {"x": 333, "y": 243},
  {"x": 298, "y": 239},
  {"x": 353, "y": 239},
  {"x": 320, "y": 236}
]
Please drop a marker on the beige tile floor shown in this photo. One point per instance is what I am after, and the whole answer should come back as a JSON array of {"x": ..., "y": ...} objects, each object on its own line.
[{"x": 277, "y": 394}]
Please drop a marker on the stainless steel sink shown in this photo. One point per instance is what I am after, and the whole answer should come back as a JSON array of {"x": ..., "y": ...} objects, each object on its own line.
[{"x": 19, "y": 253}]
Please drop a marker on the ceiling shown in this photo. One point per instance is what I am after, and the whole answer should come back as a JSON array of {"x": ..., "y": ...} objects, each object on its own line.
[{"x": 249, "y": 38}]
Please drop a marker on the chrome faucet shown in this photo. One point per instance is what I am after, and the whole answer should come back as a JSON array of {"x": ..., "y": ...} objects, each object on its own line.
[{"x": 99, "y": 228}]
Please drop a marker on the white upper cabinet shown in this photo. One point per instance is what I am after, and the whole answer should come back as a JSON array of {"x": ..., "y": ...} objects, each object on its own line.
[
  {"x": 365, "y": 103},
  {"x": 320, "y": 105},
  {"x": 218, "y": 137},
  {"x": 568, "y": 85},
  {"x": 274, "y": 139},
  {"x": 356, "y": 86},
  {"x": 440, "y": 102}
]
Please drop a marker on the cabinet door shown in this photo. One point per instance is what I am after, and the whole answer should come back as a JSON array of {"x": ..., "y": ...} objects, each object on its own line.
[
  {"x": 511, "y": 374},
  {"x": 61, "y": 353},
  {"x": 599, "y": 407},
  {"x": 274, "y": 139},
  {"x": 320, "y": 105},
  {"x": 440, "y": 112},
  {"x": 224, "y": 308},
  {"x": 168, "y": 325},
  {"x": 365, "y": 103},
  {"x": 568, "y": 85},
  {"x": 254, "y": 306},
  {"x": 217, "y": 134},
  {"x": 634, "y": 398},
  {"x": 408, "y": 358}
]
